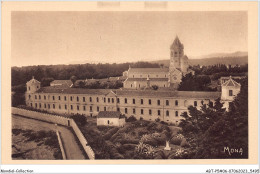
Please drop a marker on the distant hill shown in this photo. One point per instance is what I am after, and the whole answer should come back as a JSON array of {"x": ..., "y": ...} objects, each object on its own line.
[{"x": 212, "y": 61}]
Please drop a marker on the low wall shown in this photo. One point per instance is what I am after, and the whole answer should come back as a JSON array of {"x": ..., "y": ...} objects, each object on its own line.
[
  {"x": 58, "y": 120},
  {"x": 61, "y": 145}
]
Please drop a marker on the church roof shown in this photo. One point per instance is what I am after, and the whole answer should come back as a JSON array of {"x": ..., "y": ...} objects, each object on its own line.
[
  {"x": 144, "y": 79},
  {"x": 148, "y": 70},
  {"x": 132, "y": 93},
  {"x": 109, "y": 114},
  {"x": 231, "y": 82}
]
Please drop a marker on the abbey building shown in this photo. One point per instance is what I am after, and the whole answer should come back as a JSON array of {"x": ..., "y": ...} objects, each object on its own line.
[{"x": 136, "y": 98}]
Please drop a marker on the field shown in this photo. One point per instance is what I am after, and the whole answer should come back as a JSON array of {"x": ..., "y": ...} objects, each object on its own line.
[{"x": 138, "y": 139}]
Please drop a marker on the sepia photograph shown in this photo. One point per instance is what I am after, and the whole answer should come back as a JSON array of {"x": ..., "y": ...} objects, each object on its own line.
[{"x": 106, "y": 83}]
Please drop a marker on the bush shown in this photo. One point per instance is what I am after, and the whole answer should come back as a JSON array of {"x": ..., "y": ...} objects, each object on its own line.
[
  {"x": 110, "y": 133},
  {"x": 153, "y": 142},
  {"x": 162, "y": 122},
  {"x": 129, "y": 146},
  {"x": 184, "y": 143},
  {"x": 157, "y": 119},
  {"x": 131, "y": 119},
  {"x": 79, "y": 119},
  {"x": 176, "y": 141},
  {"x": 142, "y": 132}
]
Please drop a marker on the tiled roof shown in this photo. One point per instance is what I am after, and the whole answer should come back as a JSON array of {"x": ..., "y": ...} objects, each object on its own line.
[
  {"x": 145, "y": 79},
  {"x": 127, "y": 92},
  {"x": 33, "y": 81},
  {"x": 108, "y": 114},
  {"x": 148, "y": 70},
  {"x": 231, "y": 82}
]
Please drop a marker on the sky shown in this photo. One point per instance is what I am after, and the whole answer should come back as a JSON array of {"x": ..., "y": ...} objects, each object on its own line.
[{"x": 45, "y": 38}]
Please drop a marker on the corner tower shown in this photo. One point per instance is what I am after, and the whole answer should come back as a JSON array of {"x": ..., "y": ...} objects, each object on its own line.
[{"x": 176, "y": 53}]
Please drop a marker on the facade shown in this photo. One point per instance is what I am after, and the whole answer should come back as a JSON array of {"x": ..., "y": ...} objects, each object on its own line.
[
  {"x": 166, "y": 105},
  {"x": 110, "y": 118},
  {"x": 141, "y": 78}
]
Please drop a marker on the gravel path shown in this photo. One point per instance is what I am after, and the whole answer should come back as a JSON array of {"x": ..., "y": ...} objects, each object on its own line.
[{"x": 72, "y": 149}]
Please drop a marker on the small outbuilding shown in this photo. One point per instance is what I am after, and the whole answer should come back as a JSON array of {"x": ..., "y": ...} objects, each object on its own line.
[{"x": 110, "y": 118}]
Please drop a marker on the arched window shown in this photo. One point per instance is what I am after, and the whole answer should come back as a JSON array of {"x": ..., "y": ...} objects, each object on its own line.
[{"x": 167, "y": 113}]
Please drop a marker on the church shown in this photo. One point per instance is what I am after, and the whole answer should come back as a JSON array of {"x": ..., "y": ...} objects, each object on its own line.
[{"x": 142, "y": 78}]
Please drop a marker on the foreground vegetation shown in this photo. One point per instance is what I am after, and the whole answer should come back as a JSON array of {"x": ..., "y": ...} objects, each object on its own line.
[{"x": 29, "y": 144}]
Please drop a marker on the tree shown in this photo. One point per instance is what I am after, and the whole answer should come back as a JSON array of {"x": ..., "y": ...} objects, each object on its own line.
[
  {"x": 212, "y": 128},
  {"x": 73, "y": 79}
]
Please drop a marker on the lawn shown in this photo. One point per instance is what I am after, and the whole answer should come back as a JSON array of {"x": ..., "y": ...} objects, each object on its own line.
[{"x": 138, "y": 139}]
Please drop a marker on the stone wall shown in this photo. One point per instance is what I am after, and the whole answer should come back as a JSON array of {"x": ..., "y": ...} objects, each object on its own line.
[{"x": 57, "y": 120}]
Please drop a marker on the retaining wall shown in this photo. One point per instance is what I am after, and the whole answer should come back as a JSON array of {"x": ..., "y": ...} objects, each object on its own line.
[{"x": 58, "y": 120}]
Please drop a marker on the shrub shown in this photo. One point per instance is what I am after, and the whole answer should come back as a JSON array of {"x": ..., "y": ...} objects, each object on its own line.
[
  {"x": 131, "y": 119},
  {"x": 129, "y": 146},
  {"x": 184, "y": 143},
  {"x": 110, "y": 133},
  {"x": 176, "y": 141},
  {"x": 79, "y": 119},
  {"x": 164, "y": 123},
  {"x": 142, "y": 132},
  {"x": 157, "y": 119}
]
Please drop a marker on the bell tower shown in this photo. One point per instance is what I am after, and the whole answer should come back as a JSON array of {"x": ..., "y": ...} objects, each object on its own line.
[{"x": 176, "y": 52}]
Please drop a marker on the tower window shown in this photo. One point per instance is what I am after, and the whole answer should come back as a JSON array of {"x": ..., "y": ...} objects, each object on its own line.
[{"x": 230, "y": 92}]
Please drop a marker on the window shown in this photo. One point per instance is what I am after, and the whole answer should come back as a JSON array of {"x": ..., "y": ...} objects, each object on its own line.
[
  {"x": 150, "y": 101},
  {"x": 36, "y": 105},
  {"x": 58, "y": 97},
  {"x": 139, "y": 86},
  {"x": 167, "y": 113},
  {"x": 126, "y": 110},
  {"x": 84, "y": 108},
  {"x": 53, "y": 106},
  {"x": 29, "y": 88},
  {"x": 44, "y": 105},
  {"x": 230, "y": 92},
  {"x": 112, "y": 100},
  {"x": 195, "y": 103},
  {"x": 53, "y": 97},
  {"x": 142, "y": 111},
  {"x": 118, "y": 109},
  {"x": 49, "y": 106},
  {"x": 59, "y": 107},
  {"x": 159, "y": 112},
  {"x": 77, "y": 107},
  {"x": 105, "y": 108},
  {"x": 35, "y": 96},
  {"x": 65, "y": 98},
  {"x": 71, "y": 107},
  {"x": 31, "y": 104},
  {"x": 77, "y": 98},
  {"x": 97, "y": 108},
  {"x": 70, "y": 98},
  {"x": 44, "y": 97},
  {"x": 125, "y": 100},
  {"x": 133, "y": 101},
  {"x": 65, "y": 106},
  {"x": 176, "y": 103},
  {"x": 37, "y": 87},
  {"x": 84, "y": 99},
  {"x": 176, "y": 113},
  {"x": 40, "y": 105},
  {"x": 158, "y": 102},
  {"x": 167, "y": 102},
  {"x": 29, "y": 96},
  {"x": 104, "y": 99},
  {"x": 150, "y": 112},
  {"x": 39, "y": 97},
  {"x": 90, "y": 108},
  {"x": 142, "y": 101},
  {"x": 108, "y": 100},
  {"x": 131, "y": 85},
  {"x": 134, "y": 111},
  {"x": 118, "y": 100},
  {"x": 97, "y": 99},
  {"x": 90, "y": 99}
]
